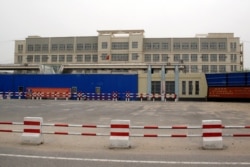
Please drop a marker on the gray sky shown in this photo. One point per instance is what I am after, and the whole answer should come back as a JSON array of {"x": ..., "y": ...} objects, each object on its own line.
[{"x": 159, "y": 18}]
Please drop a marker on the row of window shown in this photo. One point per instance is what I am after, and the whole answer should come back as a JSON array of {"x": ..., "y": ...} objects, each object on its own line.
[
  {"x": 58, "y": 58},
  {"x": 125, "y": 46},
  {"x": 188, "y": 46},
  {"x": 193, "y": 87},
  {"x": 120, "y": 45},
  {"x": 59, "y": 47},
  {"x": 134, "y": 56},
  {"x": 189, "y": 57},
  {"x": 203, "y": 68},
  {"x": 208, "y": 68}
]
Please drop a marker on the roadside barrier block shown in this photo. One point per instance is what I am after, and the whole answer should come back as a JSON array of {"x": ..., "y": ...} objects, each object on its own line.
[
  {"x": 212, "y": 134},
  {"x": 32, "y": 131},
  {"x": 119, "y": 134}
]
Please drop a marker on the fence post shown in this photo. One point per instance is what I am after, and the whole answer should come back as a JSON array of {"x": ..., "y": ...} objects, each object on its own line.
[
  {"x": 119, "y": 134},
  {"x": 212, "y": 134},
  {"x": 32, "y": 130}
]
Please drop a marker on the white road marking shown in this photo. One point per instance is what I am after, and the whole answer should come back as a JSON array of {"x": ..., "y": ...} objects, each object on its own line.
[{"x": 126, "y": 161}]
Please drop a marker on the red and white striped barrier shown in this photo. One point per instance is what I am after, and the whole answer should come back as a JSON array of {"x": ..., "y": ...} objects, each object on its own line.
[
  {"x": 212, "y": 134},
  {"x": 120, "y": 131},
  {"x": 32, "y": 130},
  {"x": 119, "y": 134},
  {"x": 75, "y": 125},
  {"x": 166, "y": 135}
]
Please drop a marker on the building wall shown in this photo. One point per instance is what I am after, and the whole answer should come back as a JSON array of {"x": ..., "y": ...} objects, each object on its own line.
[{"x": 209, "y": 53}]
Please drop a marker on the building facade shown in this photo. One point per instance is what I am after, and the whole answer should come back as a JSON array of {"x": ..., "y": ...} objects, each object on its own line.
[{"x": 163, "y": 65}]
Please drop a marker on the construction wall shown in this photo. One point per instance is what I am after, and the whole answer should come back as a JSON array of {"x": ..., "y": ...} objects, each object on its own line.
[
  {"x": 233, "y": 86},
  {"x": 91, "y": 83}
]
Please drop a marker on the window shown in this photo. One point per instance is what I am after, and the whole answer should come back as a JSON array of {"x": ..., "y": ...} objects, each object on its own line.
[
  {"x": 183, "y": 87},
  {"x": 54, "y": 58},
  {"x": 119, "y": 45},
  {"x": 104, "y": 45},
  {"x": 213, "y": 68},
  {"x": 30, "y": 58},
  {"x": 62, "y": 47},
  {"x": 147, "y": 57},
  {"x": 69, "y": 47},
  {"x": 87, "y": 58},
  {"x": 156, "y": 57},
  {"x": 194, "y": 68},
  {"x": 119, "y": 57},
  {"x": 37, "y": 58},
  {"x": 135, "y": 56},
  {"x": 170, "y": 87},
  {"x": 69, "y": 58},
  {"x": 164, "y": 46},
  {"x": 185, "y": 46},
  {"x": 95, "y": 46},
  {"x": 204, "y": 57},
  {"x": 156, "y": 87},
  {"x": 156, "y": 46},
  {"x": 233, "y": 57},
  {"x": 30, "y": 48},
  {"x": 177, "y": 57},
  {"x": 185, "y": 57},
  {"x": 204, "y": 45},
  {"x": 213, "y": 57},
  {"x": 193, "y": 57},
  {"x": 44, "y": 58},
  {"x": 205, "y": 68},
  {"x": 45, "y": 47},
  {"x": 222, "y": 45},
  {"x": 222, "y": 57},
  {"x": 54, "y": 47},
  {"x": 134, "y": 45},
  {"x": 79, "y": 58},
  {"x": 190, "y": 87},
  {"x": 37, "y": 47},
  {"x": 147, "y": 46},
  {"x": 94, "y": 58},
  {"x": 194, "y": 46},
  {"x": 105, "y": 56},
  {"x": 79, "y": 46},
  {"x": 61, "y": 58},
  {"x": 233, "y": 46},
  {"x": 19, "y": 59},
  {"x": 197, "y": 88},
  {"x": 213, "y": 45},
  {"x": 87, "y": 46},
  {"x": 177, "y": 46},
  {"x": 222, "y": 68},
  {"x": 164, "y": 58},
  {"x": 186, "y": 68},
  {"x": 233, "y": 68},
  {"x": 20, "y": 48}
]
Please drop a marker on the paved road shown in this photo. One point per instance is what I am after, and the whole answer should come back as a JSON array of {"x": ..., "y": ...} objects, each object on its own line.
[{"x": 94, "y": 151}]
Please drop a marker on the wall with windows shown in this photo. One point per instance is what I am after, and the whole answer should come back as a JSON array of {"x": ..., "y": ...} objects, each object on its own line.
[
  {"x": 216, "y": 52},
  {"x": 191, "y": 86}
]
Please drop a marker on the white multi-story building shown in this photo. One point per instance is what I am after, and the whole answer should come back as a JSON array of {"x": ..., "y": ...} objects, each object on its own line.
[{"x": 159, "y": 62}]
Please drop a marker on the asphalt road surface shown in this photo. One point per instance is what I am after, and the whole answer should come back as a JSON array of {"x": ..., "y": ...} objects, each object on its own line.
[{"x": 94, "y": 151}]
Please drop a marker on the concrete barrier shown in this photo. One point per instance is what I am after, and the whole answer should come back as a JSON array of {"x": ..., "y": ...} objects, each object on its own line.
[
  {"x": 119, "y": 134},
  {"x": 32, "y": 131},
  {"x": 212, "y": 134}
]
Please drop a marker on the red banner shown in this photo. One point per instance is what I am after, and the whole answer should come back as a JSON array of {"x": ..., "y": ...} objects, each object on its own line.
[{"x": 229, "y": 92}]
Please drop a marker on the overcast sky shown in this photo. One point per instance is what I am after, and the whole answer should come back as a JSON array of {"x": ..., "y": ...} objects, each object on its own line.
[{"x": 159, "y": 18}]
